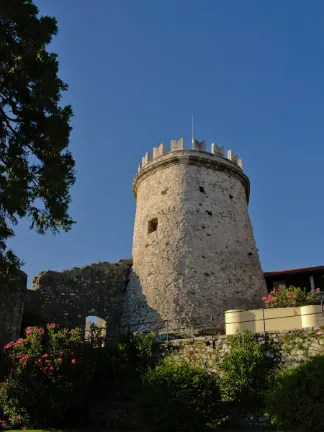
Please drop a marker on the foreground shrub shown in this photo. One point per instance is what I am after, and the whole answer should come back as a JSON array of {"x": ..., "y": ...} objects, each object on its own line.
[
  {"x": 296, "y": 400},
  {"x": 137, "y": 349},
  {"x": 248, "y": 368},
  {"x": 135, "y": 352},
  {"x": 290, "y": 297},
  {"x": 177, "y": 397},
  {"x": 44, "y": 381},
  {"x": 116, "y": 371}
]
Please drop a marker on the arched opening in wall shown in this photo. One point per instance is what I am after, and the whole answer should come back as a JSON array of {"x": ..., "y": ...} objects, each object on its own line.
[{"x": 95, "y": 331}]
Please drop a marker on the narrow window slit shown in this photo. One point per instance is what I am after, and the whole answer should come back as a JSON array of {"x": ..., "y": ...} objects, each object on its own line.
[{"x": 152, "y": 225}]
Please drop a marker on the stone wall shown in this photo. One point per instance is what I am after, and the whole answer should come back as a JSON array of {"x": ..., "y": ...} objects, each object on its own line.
[
  {"x": 11, "y": 308},
  {"x": 296, "y": 347},
  {"x": 194, "y": 251},
  {"x": 68, "y": 297}
]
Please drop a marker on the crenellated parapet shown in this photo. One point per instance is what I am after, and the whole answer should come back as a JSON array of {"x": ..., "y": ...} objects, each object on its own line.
[{"x": 178, "y": 145}]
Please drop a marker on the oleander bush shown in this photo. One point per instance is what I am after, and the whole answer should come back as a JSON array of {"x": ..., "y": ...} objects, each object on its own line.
[
  {"x": 45, "y": 380},
  {"x": 290, "y": 297}
]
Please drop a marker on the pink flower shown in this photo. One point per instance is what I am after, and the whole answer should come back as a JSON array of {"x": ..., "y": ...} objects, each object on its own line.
[
  {"x": 29, "y": 330},
  {"x": 318, "y": 289},
  {"x": 8, "y": 345},
  {"x": 73, "y": 361},
  {"x": 264, "y": 298},
  {"x": 45, "y": 355}
]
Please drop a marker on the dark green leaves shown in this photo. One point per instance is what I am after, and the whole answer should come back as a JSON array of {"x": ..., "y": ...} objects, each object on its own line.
[{"x": 36, "y": 168}]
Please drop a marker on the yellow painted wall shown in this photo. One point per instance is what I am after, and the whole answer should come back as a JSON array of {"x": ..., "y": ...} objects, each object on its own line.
[{"x": 276, "y": 319}]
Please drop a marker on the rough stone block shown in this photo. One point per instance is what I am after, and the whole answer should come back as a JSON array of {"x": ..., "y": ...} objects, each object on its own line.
[
  {"x": 215, "y": 149},
  {"x": 155, "y": 152},
  {"x": 158, "y": 151},
  {"x": 177, "y": 145},
  {"x": 198, "y": 145},
  {"x": 232, "y": 156},
  {"x": 147, "y": 157}
]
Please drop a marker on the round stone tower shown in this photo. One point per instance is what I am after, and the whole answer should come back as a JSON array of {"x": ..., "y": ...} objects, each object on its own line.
[{"x": 194, "y": 253}]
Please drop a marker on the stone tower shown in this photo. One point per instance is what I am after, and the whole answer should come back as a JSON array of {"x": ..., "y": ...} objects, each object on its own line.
[{"x": 194, "y": 253}]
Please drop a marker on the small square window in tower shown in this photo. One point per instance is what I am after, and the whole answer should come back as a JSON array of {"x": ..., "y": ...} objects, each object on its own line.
[{"x": 152, "y": 225}]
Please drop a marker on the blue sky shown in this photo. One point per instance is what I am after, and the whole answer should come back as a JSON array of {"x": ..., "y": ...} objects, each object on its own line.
[{"x": 250, "y": 71}]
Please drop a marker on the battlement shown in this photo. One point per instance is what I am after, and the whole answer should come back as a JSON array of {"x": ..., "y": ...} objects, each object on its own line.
[{"x": 178, "y": 145}]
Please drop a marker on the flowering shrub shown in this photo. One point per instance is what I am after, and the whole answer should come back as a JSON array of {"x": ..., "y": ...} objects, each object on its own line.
[
  {"x": 289, "y": 297},
  {"x": 44, "y": 379}
]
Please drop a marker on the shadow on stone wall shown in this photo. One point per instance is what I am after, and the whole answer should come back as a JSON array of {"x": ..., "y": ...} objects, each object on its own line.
[{"x": 137, "y": 315}]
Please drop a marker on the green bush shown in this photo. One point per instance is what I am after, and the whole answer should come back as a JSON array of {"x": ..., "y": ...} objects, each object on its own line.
[
  {"x": 296, "y": 400},
  {"x": 177, "y": 397},
  {"x": 134, "y": 353},
  {"x": 117, "y": 370},
  {"x": 137, "y": 349},
  {"x": 248, "y": 368},
  {"x": 45, "y": 383}
]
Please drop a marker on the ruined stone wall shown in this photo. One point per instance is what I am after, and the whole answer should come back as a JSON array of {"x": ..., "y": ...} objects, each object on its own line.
[
  {"x": 11, "y": 308},
  {"x": 68, "y": 297},
  {"x": 200, "y": 258}
]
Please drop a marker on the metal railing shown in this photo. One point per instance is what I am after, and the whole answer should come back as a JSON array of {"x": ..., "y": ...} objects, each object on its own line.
[
  {"x": 179, "y": 328},
  {"x": 164, "y": 330}
]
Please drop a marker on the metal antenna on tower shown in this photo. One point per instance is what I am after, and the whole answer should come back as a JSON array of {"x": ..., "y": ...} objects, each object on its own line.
[{"x": 192, "y": 137}]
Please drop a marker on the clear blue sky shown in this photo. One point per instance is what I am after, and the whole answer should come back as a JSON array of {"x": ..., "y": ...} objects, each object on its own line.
[{"x": 252, "y": 72}]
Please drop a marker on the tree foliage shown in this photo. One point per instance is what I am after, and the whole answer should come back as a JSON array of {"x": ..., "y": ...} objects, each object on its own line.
[{"x": 36, "y": 168}]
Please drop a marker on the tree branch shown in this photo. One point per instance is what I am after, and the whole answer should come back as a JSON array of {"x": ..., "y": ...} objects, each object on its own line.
[{"x": 6, "y": 119}]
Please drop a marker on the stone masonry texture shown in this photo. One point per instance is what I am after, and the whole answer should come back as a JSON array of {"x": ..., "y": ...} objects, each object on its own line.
[
  {"x": 68, "y": 297},
  {"x": 295, "y": 346},
  {"x": 201, "y": 258},
  {"x": 11, "y": 308}
]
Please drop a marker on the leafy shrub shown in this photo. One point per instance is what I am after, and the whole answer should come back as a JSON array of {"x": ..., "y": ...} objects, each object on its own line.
[
  {"x": 296, "y": 400},
  {"x": 248, "y": 368},
  {"x": 176, "y": 396},
  {"x": 117, "y": 370},
  {"x": 44, "y": 380},
  {"x": 96, "y": 335},
  {"x": 290, "y": 297},
  {"x": 137, "y": 349}
]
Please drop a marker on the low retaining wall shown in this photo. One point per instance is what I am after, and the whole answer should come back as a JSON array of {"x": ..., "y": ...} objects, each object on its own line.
[
  {"x": 276, "y": 319},
  {"x": 296, "y": 346}
]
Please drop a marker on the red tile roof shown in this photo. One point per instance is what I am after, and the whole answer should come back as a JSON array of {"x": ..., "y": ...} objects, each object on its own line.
[{"x": 295, "y": 271}]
